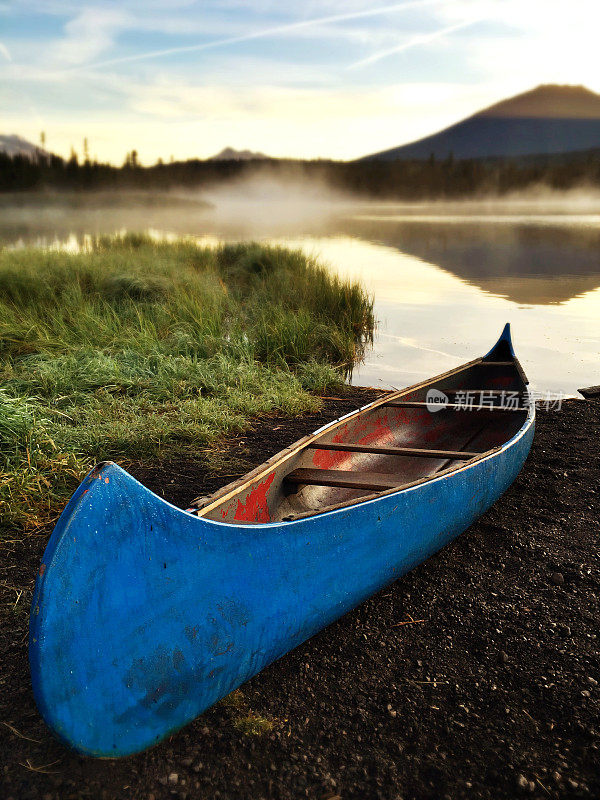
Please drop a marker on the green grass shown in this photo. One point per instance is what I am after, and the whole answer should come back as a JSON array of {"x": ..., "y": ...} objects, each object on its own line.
[
  {"x": 243, "y": 719},
  {"x": 253, "y": 725},
  {"x": 134, "y": 348}
]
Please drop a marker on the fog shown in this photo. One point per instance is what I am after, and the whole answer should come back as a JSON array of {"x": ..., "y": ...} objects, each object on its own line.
[
  {"x": 267, "y": 205},
  {"x": 445, "y": 275},
  {"x": 264, "y": 205}
]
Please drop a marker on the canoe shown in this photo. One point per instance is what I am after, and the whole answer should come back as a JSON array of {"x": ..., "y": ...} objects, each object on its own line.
[{"x": 145, "y": 614}]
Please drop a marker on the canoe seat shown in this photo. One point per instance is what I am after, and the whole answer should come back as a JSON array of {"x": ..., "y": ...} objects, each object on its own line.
[
  {"x": 413, "y": 452},
  {"x": 373, "y": 481}
]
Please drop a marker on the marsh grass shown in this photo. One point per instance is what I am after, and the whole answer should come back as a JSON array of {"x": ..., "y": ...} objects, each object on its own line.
[{"x": 133, "y": 347}]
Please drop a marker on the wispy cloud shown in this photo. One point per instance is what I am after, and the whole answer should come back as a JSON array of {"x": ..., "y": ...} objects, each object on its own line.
[
  {"x": 267, "y": 32},
  {"x": 5, "y": 52},
  {"x": 425, "y": 38},
  {"x": 88, "y": 34}
]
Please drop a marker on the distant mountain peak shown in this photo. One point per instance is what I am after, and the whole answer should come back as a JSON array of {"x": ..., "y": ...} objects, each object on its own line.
[
  {"x": 231, "y": 154},
  {"x": 14, "y": 145},
  {"x": 549, "y": 100},
  {"x": 549, "y": 119}
]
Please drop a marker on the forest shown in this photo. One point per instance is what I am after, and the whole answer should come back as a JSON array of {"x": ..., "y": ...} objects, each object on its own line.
[{"x": 400, "y": 180}]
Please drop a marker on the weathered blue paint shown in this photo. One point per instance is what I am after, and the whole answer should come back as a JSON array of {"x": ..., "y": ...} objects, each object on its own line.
[{"x": 145, "y": 615}]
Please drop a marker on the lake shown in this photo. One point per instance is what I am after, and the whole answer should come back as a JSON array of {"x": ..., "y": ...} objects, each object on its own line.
[{"x": 446, "y": 277}]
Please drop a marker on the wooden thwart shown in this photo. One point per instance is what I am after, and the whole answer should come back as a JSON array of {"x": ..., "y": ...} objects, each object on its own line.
[
  {"x": 485, "y": 363},
  {"x": 394, "y": 451},
  {"x": 486, "y": 393},
  {"x": 433, "y": 406},
  {"x": 374, "y": 481}
]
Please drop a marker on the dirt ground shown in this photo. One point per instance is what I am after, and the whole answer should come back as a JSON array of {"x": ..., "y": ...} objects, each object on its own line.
[{"x": 477, "y": 675}]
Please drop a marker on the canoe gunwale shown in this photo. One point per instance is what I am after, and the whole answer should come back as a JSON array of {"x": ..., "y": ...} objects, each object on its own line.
[
  {"x": 249, "y": 478},
  {"x": 441, "y": 475},
  {"x": 230, "y": 490}
]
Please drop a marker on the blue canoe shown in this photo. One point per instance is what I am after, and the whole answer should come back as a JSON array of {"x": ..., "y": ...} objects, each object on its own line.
[{"x": 144, "y": 614}]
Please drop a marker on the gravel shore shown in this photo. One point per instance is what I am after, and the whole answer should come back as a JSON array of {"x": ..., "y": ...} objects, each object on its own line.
[{"x": 476, "y": 675}]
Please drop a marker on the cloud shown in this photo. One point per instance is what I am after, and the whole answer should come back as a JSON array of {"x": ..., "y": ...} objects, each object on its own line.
[
  {"x": 188, "y": 120},
  {"x": 425, "y": 38},
  {"x": 278, "y": 30},
  {"x": 167, "y": 100},
  {"x": 89, "y": 34},
  {"x": 5, "y": 52},
  {"x": 180, "y": 101}
]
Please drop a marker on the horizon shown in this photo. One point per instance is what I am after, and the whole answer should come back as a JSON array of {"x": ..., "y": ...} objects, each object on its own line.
[{"x": 341, "y": 80}]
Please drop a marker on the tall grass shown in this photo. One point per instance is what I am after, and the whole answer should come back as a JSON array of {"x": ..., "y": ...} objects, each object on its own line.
[{"x": 134, "y": 347}]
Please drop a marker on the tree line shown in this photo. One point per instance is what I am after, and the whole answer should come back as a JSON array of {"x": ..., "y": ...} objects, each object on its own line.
[{"x": 401, "y": 179}]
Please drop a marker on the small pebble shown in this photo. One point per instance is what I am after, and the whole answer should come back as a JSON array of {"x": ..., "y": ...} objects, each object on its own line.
[
  {"x": 557, "y": 578},
  {"x": 173, "y": 778}
]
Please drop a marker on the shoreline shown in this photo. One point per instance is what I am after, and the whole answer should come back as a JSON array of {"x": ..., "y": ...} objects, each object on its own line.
[{"x": 477, "y": 674}]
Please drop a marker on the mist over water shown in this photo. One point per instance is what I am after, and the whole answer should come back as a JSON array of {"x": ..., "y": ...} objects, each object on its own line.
[{"x": 446, "y": 275}]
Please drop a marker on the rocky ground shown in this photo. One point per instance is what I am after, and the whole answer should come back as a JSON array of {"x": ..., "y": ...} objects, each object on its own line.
[{"x": 476, "y": 675}]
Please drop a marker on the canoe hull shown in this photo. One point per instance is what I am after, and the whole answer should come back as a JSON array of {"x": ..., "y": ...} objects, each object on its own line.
[{"x": 152, "y": 614}]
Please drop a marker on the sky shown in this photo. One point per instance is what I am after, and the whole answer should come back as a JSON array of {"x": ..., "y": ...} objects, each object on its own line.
[{"x": 313, "y": 79}]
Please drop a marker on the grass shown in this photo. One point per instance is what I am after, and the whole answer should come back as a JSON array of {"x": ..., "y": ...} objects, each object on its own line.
[
  {"x": 253, "y": 725},
  {"x": 133, "y": 348},
  {"x": 244, "y": 720}
]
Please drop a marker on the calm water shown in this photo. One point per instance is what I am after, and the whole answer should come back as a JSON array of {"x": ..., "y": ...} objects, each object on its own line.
[{"x": 445, "y": 279}]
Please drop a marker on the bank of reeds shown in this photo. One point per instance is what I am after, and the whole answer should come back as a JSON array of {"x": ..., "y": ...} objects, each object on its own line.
[{"x": 131, "y": 348}]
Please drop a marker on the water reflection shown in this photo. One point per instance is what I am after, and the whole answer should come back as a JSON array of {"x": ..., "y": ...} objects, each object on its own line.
[
  {"x": 529, "y": 262},
  {"x": 444, "y": 282}
]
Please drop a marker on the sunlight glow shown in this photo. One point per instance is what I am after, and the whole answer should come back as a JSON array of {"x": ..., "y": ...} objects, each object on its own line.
[{"x": 325, "y": 80}]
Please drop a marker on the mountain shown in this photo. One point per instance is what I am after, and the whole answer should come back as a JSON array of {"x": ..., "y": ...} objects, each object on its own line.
[
  {"x": 548, "y": 119},
  {"x": 14, "y": 145},
  {"x": 231, "y": 154}
]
